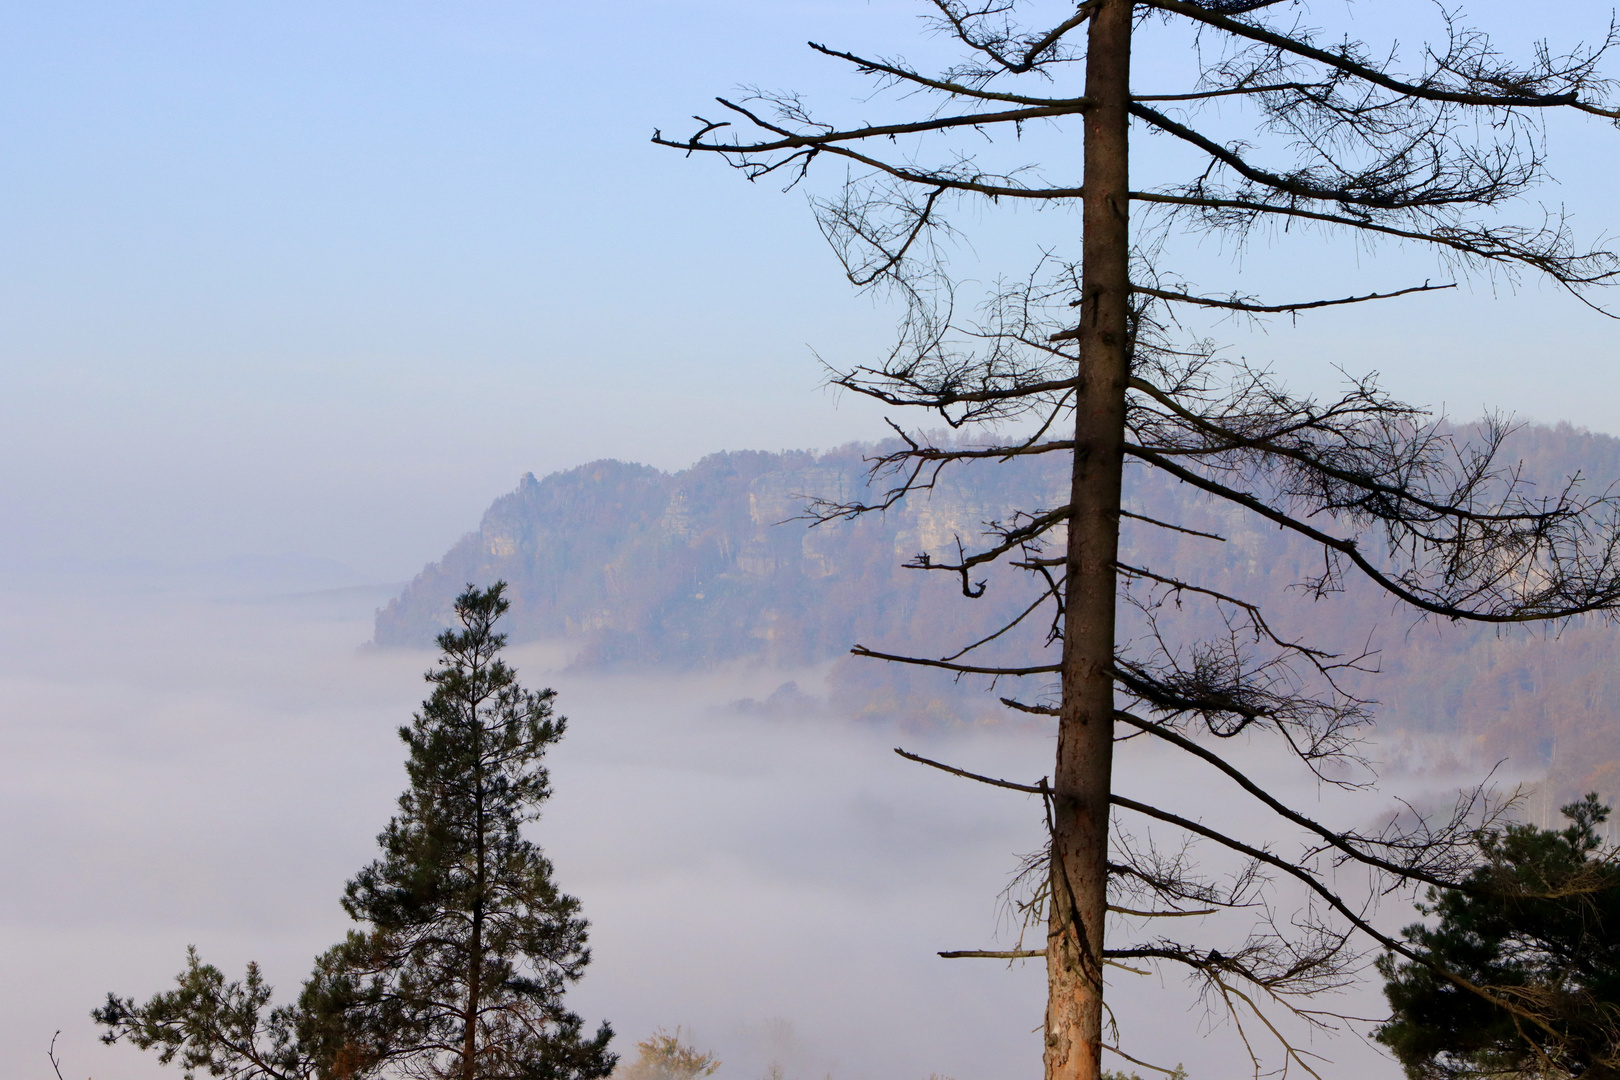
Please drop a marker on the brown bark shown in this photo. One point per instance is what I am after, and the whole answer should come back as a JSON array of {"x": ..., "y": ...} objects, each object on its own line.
[
  {"x": 475, "y": 946},
  {"x": 475, "y": 965},
  {"x": 1081, "y": 777}
]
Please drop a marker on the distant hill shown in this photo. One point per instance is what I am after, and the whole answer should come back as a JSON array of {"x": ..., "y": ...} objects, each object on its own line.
[{"x": 707, "y": 565}]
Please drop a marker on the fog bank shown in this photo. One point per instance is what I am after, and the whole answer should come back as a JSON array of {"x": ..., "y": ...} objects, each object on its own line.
[{"x": 209, "y": 767}]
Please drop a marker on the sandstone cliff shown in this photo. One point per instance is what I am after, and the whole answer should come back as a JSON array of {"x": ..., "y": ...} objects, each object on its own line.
[{"x": 715, "y": 563}]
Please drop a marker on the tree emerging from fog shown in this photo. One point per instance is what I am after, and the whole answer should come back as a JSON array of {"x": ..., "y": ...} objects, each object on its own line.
[{"x": 466, "y": 944}]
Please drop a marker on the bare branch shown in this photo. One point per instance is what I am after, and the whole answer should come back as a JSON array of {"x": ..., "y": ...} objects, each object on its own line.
[
  {"x": 958, "y": 89},
  {"x": 1428, "y": 90},
  {"x": 1166, "y": 525},
  {"x": 1031, "y": 789},
  {"x": 805, "y": 140},
  {"x": 1243, "y": 305},
  {"x": 966, "y": 669}
]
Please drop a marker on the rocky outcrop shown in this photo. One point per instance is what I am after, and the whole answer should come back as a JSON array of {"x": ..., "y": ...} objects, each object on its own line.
[{"x": 716, "y": 563}]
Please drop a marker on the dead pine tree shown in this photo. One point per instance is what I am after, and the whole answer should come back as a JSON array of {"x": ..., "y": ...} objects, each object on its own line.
[{"x": 1093, "y": 359}]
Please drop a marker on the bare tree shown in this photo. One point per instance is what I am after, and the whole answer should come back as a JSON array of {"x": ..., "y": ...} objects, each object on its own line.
[{"x": 1092, "y": 358}]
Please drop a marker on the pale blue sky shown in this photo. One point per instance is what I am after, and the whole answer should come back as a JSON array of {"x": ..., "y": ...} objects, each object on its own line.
[{"x": 325, "y": 277}]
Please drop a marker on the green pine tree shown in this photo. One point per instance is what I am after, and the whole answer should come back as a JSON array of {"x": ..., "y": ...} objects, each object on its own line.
[
  {"x": 1536, "y": 928},
  {"x": 467, "y": 944}
]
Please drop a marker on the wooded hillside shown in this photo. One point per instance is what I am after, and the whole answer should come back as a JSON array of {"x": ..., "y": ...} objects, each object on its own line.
[{"x": 708, "y": 565}]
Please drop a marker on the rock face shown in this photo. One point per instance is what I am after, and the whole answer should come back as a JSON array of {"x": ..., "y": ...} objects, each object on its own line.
[{"x": 716, "y": 563}]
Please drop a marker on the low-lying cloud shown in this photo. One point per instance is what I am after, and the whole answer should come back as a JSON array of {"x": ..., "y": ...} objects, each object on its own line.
[{"x": 182, "y": 769}]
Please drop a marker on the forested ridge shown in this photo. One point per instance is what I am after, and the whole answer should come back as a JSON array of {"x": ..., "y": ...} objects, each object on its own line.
[{"x": 715, "y": 564}]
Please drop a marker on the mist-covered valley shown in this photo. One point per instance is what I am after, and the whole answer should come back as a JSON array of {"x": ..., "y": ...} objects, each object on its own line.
[
  {"x": 758, "y": 867},
  {"x": 725, "y": 563}
]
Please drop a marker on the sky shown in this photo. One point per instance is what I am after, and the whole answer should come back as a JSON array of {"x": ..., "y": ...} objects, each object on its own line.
[
  {"x": 290, "y": 291},
  {"x": 322, "y": 279}
]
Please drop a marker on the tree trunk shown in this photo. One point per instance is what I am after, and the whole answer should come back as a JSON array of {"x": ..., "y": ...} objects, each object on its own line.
[
  {"x": 1081, "y": 777},
  {"x": 475, "y": 969},
  {"x": 475, "y": 945}
]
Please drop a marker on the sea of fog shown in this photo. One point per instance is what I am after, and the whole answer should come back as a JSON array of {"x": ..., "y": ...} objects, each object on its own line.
[{"x": 208, "y": 763}]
